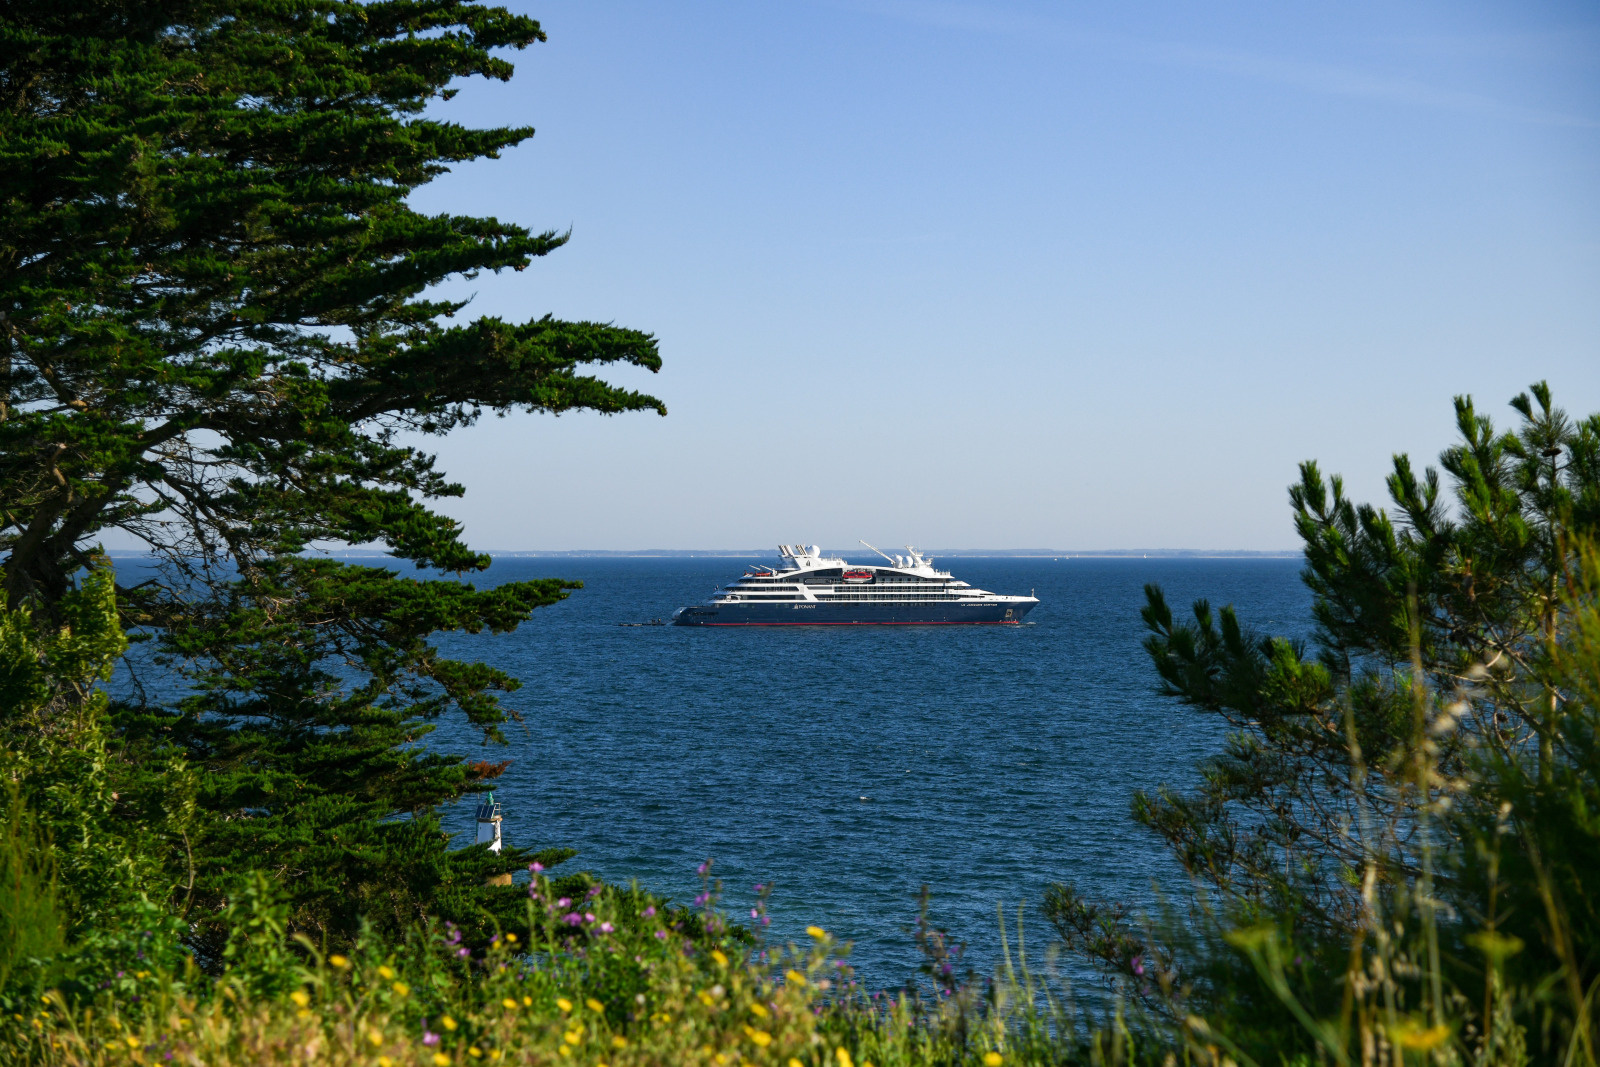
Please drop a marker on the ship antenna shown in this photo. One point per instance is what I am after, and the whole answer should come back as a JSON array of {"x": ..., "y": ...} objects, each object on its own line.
[{"x": 880, "y": 552}]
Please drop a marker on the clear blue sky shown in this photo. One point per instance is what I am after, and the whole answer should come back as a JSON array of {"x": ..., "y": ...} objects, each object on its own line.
[{"x": 1025, "y": 274}]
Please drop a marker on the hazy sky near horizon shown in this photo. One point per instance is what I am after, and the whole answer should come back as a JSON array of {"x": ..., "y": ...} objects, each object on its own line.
[{"x": 1026, "y": 274}]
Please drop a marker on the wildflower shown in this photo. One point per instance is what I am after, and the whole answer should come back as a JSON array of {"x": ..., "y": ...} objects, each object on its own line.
[
  {"x": 706, "y": 998},
  {"x": 374, "y": 1038},
  {"x": 794, "y": 977},
  {"x": 401, "y": 989},
  {"x": 339, "y": 962},
  {"x": 716, "y": 954},
  {"x": 511, "y": 938},
  {"x": 760, "y": 1037},
  {"x": 704, "y": 867},
  {"x": 384, "y": 1061},
  {"x": 527, "y": 1002},
  {"x": 594, "y": 891},
  {"x": 992, "y": 1059},
  {"x": 795, "y": 1063},
  {"x": 1138, "y": 966},
  {"x": 701, "y": 899},
  {"x": 133, "y": 1042},
  {"x": 447, "y": 1022},
  {"x": 819, "y": 933},
  {"x": 844, "y": 1056},
  {"x": 606, "y": 928},
  {"x": 509, "y": 1004},
  {"x": 441, "y": 1060},
  {"x": 535, "y": 866},
  {"x": 661, "y": 935},
  {"x": 564, "y": 902},
  {"x": 594, "y": 1005},
  {"x": 430, "y": 1038},
  {"x": 564, "y": 1004},
  {"x": 474, "y": 1051},
  {"x": 754, "y": 914},
  {"x": 573, "y": 1036},
  {"x": 650, "y": 911},
  {"x": 386, "y": 972},
  {"x": 300, "y": 997},
  {"x": 619, "y": 1041},
  {"x": 463, "y": 952},
  {"x": 759, "y": 1010}
]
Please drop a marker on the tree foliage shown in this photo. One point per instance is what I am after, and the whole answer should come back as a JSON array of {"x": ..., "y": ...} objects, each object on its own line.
[
  {"x": 1432, "y": 754},
  {"x": 220, "y": 335}
]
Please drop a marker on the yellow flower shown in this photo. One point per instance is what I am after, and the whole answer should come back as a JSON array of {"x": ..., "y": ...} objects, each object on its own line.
[
  {"x": 300, "y": 997},
  {"x": 795, "y": 1063},
  {"x": 794, "y": 977},
  {"x": 565, "y": 1050},
  {"x": 386, "y": 972},
  {"x": 706, "y": 998},
  {"x": 993, "y": 1059},
  {"x": 844, "y": 1056},
  {"x": 619, "y": 1041},
  {"x": 819, "y": 933},
  {"x": 384, "y": 1061},
  {"x": 133, "y": 1042},
  {"x": 1420, "y": 1040},
  {"x": 401, "y": 988},
  {"x": 511, "y": 938},
  {"x": 716, "y": 954},
  {"x": 509, "y": 1004},
  {"x": 527, "y": 1002},
  {"x": 573, "y": 1036},
  {"x": 303, "y": 1013},
  {"x": 494, "y": 1054},
  {"x": 441, "y": 1060},
  {"x": 594, "y": 1005},
  {"x": 720, "y": 1058},
  {"x": 474, "y": 1051},
  {"x": 564, "y": 1004},
  {"x": 447, "y": 1022},
  {"x": 339, "y": 962},
  {"x": 375, "y": 1038},
  {"x": 759, "y": 1010},
  {"x": 760, "y": 1037}
]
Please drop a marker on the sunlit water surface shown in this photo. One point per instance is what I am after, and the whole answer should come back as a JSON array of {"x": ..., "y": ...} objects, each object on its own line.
[{"x": 849, "y": 767}]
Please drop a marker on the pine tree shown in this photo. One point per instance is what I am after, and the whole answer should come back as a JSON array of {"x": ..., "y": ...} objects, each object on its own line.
[
  {"x": 217, "y": 326},
  {"x": 1435, "y": 752}
]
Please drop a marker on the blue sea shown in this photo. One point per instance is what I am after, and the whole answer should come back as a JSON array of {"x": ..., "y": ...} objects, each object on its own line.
[{"x": 849, "y": 767}]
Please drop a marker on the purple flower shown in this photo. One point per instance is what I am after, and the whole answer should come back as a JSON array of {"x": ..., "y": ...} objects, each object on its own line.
[
  {"x": 572, "y": 918},
  {"x": 564, "y": 902},
  {"x": 535, "y": 866},
  {"x": 651, "y": 910},
  {"x": 594, "y": 892},
  {"x": 429, "y": 1037},
  {"x": 1138, "y": 966},
  {"x": 704, "y": 867},
  {"x": 463, "y": 952},
  {"x": 701, "y": 899},
  {"x": 606, "y": 928},
  {"x": 661, "y": 935},
  {"x": 754, "y": 914},
  {"x": 765, "y": 921},
  {"x": 759, "y": 887}
]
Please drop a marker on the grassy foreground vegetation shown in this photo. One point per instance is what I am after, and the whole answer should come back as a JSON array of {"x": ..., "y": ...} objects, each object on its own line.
[{"x": 216, "y": 336}]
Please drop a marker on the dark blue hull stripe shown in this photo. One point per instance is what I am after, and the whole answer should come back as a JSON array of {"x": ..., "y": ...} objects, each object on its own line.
[{"x": 850, "y": 614}]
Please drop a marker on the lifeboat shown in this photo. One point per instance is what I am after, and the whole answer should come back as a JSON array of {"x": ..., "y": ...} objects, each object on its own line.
[{"x": 857, "y": 577}]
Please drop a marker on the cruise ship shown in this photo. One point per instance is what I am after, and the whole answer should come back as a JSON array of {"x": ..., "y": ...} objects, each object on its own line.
[{"x": 810, "y": 589}]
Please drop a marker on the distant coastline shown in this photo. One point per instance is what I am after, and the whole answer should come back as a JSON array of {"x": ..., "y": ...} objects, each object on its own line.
[{"x": 735, "y": 553}]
